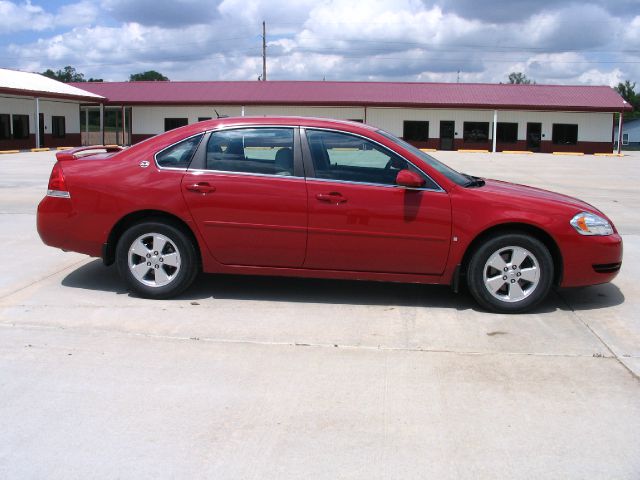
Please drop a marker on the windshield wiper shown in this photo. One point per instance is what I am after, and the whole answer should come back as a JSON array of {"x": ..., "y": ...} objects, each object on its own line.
[{"x": 473, "y": 181}]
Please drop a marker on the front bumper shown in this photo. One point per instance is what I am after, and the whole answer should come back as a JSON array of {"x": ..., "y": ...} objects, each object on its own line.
[{"x": 591, "y": 260}]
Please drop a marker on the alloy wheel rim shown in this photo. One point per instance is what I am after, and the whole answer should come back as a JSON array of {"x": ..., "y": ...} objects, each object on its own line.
[
  {"x": 154, "y": 260},
  {"x": 511, "y": 274}
]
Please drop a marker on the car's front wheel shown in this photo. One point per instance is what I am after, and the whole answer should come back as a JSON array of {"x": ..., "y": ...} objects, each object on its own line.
[
  {"x": 510, "y": 273},
  {"x": 156, "y": 259}
]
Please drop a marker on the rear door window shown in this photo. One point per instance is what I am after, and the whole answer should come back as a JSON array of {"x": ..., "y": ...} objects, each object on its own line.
[{"x": 265, "y": 151}]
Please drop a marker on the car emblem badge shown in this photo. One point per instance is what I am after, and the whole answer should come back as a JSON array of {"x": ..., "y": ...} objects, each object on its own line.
[{"x": 144, "y": 164}]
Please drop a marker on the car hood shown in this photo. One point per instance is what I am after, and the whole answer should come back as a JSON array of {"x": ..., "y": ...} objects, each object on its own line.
[{"x": 535, "y": 195}]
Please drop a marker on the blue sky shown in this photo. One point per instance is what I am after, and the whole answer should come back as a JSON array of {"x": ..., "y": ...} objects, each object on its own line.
[{"x": 559, "y": 42}]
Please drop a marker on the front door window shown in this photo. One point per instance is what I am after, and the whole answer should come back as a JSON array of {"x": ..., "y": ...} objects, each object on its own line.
[{"x": 344, "y": 157}]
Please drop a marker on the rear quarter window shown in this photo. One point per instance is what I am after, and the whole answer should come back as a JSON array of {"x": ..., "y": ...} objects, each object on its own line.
[{"x": 180, "y": 154}]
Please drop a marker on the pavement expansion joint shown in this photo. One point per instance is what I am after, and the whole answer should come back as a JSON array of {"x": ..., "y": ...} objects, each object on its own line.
[
  {"x": 600, "y": 339},
  {"x": 41, "y": 279},
  {"x": 222, "y": 341}
]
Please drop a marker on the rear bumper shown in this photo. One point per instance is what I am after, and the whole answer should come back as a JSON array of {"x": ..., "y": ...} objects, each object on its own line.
[
  {"x": 591, "y": 260},
  {"x": 57, "y": 224}
]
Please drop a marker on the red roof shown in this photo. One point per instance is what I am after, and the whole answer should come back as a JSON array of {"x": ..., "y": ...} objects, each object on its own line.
[{"x": 396, "y": 94}]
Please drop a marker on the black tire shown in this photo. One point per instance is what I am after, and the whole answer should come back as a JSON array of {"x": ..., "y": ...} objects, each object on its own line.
[
  {"x": 179, "y": 247},
  {"x": 501, "y": 246}
]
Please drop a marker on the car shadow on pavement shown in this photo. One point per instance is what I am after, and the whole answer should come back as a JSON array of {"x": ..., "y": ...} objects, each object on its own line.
[{"x": 95, "y": 276}]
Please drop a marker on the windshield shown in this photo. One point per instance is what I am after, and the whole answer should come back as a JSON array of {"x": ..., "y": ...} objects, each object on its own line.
[{"x": 448, "y": 172}]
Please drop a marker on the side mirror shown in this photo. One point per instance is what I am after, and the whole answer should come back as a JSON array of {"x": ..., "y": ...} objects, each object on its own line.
[{"x": 407, "y": 178}]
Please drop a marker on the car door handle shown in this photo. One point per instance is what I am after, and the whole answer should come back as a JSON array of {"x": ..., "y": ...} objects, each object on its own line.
[
  {"x": 332, "y": 197},
  {"x": 201, "y": 187}
]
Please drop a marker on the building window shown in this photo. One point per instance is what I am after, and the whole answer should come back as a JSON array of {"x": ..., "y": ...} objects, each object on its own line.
[
  {"x": 171, "y": 123},
  {"x": 625, "y": 139},
  {"x": 565, "y": 134},
  {"x": 5, "y": 126},
  {"x": 475, "y": 132},
  {"x": 415, "y": 131},
  {"x": 20, "y": 126},
  {"x": 507, "y": 132},
  {"x": 202, "y": 119},
  {"x": 58, "y": 129}
]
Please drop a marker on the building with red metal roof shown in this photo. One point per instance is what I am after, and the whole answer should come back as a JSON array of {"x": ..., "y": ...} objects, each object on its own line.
[
  {"x": 382, "y": 94},
  {"x": 431, "y": 115}
]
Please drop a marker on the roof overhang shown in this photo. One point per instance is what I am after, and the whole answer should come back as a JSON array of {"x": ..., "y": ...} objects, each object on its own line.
[
  {"x": 360, "y": 94},
  {"x": 448, "y": 106},
  {"x": 20, "y": 92}
]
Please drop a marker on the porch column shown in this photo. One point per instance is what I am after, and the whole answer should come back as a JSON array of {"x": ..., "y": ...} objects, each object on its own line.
[
  {"x": 86, "y": 128},
  {"x": 37, "y": 122},
  {"x": 102, "y": 123},
  {"x": 620, "y": 133},
  {"x": 495, "y": 130}
]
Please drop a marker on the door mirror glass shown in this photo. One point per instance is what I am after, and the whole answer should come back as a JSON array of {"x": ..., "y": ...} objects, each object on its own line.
[{"x": 407, "y": 178}]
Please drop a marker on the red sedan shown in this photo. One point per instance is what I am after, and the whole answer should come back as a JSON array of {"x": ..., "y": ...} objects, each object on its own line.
[{"x": 317, "y": 198}]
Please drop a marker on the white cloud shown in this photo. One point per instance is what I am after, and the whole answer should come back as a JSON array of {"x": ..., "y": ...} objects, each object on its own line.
[
  {"x": 74, "y": 14},
  {"x": 25, "y": 16},
  {"x": 17, "y": 17},
  {"x": 598, "y": 77},
  {"x": 412, "y": 40},
  {"x": 165, "y": 13},
  {"x": 632, "y": 34}
]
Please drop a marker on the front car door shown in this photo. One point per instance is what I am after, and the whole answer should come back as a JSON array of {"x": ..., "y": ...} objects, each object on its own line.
[
  {"x": 360, "y": 220},
  {"x": 248, "y": 196}
]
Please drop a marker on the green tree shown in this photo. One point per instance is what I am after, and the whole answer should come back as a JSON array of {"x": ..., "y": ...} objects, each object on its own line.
[
  {"x": 627, "y": 90},
  {"x": 519, "y": 78},
  {"x": 150, "y": 75},
  {"x": 66, "y": 75}
]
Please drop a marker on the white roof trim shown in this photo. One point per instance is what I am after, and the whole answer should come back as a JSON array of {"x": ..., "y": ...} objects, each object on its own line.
[{"x": 34, "y": 82}]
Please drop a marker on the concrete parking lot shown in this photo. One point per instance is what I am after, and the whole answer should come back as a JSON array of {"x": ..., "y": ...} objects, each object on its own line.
[{"x": 245, "y": 377}]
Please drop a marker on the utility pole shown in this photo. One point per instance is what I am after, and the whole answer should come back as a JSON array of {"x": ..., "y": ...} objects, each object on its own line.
[{"x": 264, "y": 53}]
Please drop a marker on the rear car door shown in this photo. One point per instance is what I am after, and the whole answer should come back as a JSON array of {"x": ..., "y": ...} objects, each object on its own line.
[
  {"x": 360, "y": 220},
  {"x": 248, "y": 196}
]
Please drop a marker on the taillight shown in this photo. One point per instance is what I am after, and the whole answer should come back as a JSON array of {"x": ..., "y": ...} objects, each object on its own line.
[{"x": 57, "y": 185}]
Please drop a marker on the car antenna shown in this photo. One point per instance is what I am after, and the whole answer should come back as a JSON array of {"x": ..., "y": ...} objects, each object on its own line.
[{"x": 220, "y": 116}]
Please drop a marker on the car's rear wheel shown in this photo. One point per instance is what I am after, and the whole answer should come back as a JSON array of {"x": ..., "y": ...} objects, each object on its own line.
[
  {"x": 157, "y": 260},
  {"x": 510, "y": 273}
]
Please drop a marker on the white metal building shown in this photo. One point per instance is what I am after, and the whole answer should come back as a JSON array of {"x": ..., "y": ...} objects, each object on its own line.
[
  {"x": 492, "y": 117},
  {"x": 36, "y": 111}
]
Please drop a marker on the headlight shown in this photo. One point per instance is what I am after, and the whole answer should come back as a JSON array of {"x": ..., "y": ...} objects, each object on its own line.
[{"x": 589, "y": 224}]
